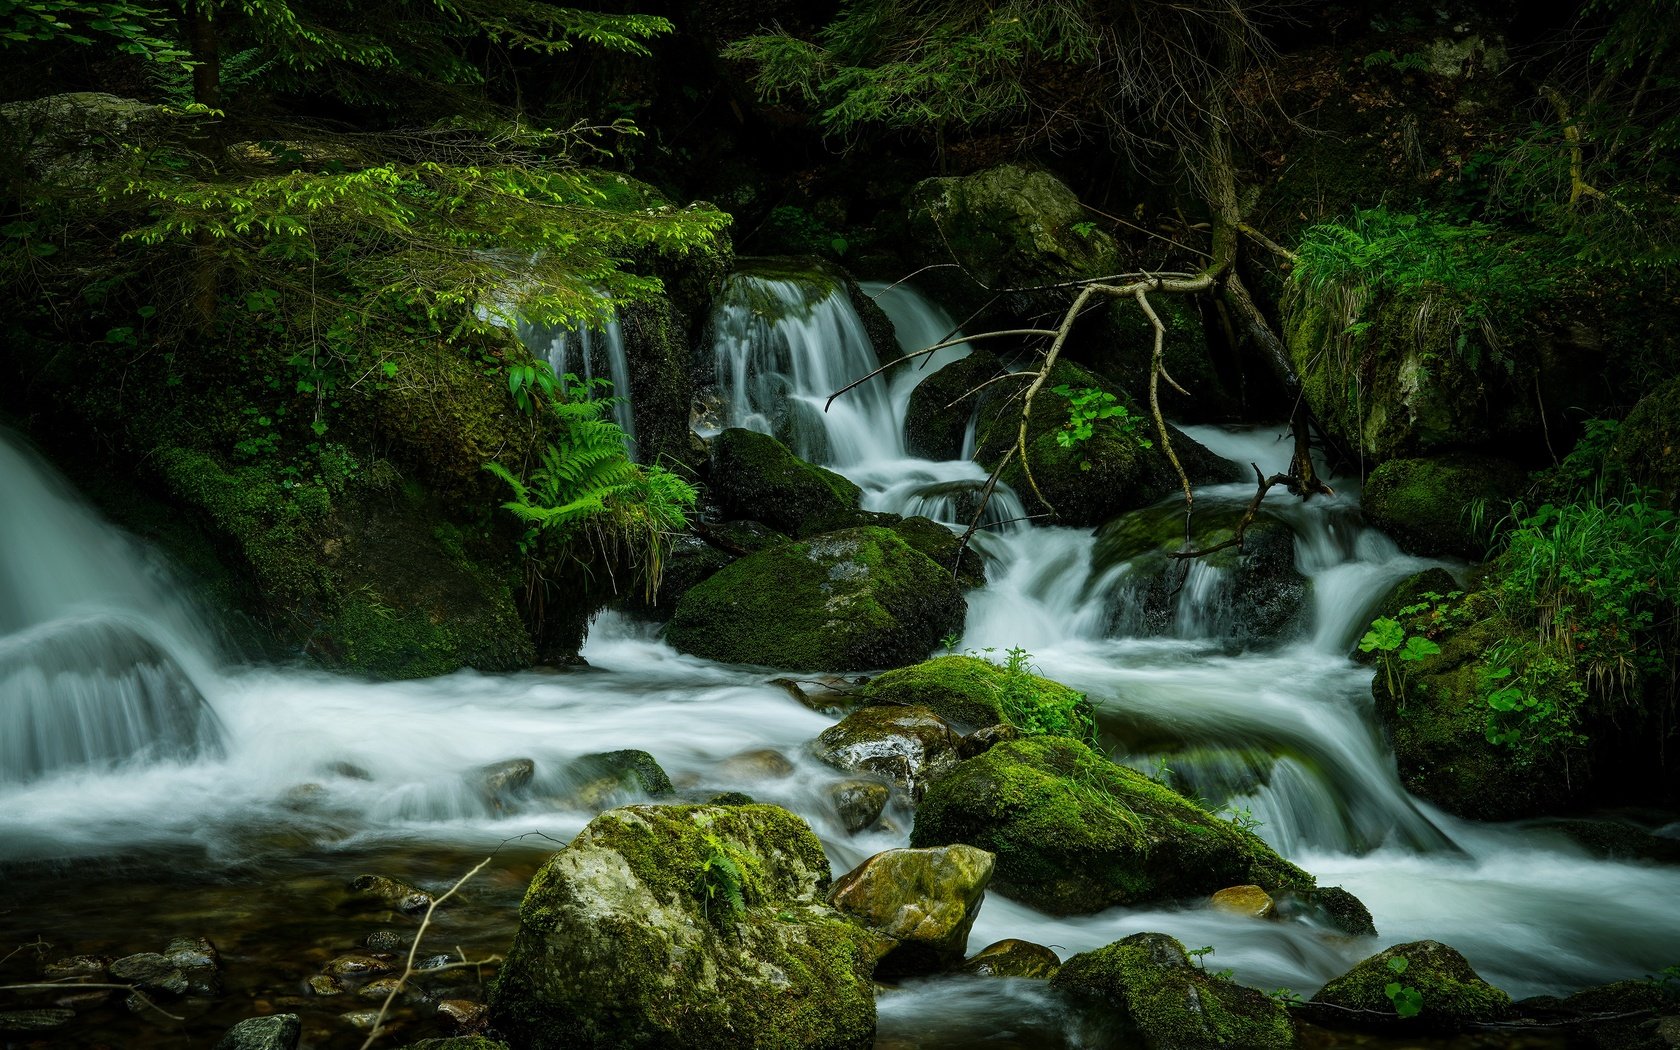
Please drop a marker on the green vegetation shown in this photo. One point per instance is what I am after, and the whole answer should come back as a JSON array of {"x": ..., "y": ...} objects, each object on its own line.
[
  {"x": 1089, "y": 408},
  {"x": 1408, "y": 1001},
  {"x": 973, "y": 690},
  {"x": 1389, "y": 640}
]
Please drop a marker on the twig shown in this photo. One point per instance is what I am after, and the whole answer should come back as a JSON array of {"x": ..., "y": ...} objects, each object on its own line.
[{"x": 131, "y": 989}]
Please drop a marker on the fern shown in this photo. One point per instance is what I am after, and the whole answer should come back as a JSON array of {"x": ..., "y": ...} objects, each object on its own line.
[{"x": 722, "y": 881}]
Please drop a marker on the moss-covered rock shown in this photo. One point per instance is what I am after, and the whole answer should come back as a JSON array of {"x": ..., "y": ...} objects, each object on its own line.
[
  {"x": 921, "y": 901},
  {"x": 908, "y": 745},
  {"x": 1169, "y": 1003},
  {"x": 1252, "y": 594},
  {"x": 693, "y": 927},
  {"x": 1646, "y": 449},
  {"x": 940, "y": 408},
  {"x": 1075, "y": 833},
  {"x": 940, "y": 544},
  {"x": 754, "y": 476},
  {"x": 1013, "y": 958},
  {"x": 858, "y": 599},
  {"x": 972, "y": 693},
  {"x": 1120, "y": 467},
  {"x": 1120, "y": 347},
  {"x": 1429, "y": 505},
  {"x": 596, "y": 781},
  {"x": 1453, "y": 995},
  {"x": 1009, "y": 227}
]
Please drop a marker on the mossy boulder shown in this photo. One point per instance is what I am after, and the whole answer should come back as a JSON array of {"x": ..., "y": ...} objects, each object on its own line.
[
  {"x": 1453, "y": 995},
  {"x": 922, "y": 902},
  {"x": 1252, "y": 594},
  {"x": 1120, "y": 467},
  {"x": 909, "y": 746},
  {"x": 1120, "y": 347},
  {"x": 963, "y": 563},
  {"x": 1428, "y": 504},
  {"x": 972, "y": 693},
  {"x": 1009, "y": 227},
  {"x": 693, "y": 927},
  {"x": 940, "y": 408},
  {"x": 755, "y": 476},
  {"x": 1075, "y": 833},
  {"x": 1169, "y": 1003},
  {"x": 857, "y": 599},
  {"x": 602, "y": 779},
  {"x": 1646, "y": 448}
]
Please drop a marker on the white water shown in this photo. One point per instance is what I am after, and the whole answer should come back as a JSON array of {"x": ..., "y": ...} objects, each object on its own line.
[
  {"x": 590, "y": 353},
  {"x": 1287, "y": 733}
]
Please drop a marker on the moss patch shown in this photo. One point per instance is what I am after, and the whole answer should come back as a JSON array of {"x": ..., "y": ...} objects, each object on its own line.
[
  {"x": 1427, "y": 504},
  {"x": 755, "y": 476},
  {"x": 970, "y": 692},
  {"x": 1454, "y": 995}
]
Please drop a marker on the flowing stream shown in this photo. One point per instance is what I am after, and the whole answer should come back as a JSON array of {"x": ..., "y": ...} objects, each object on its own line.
[{"x": 152, "y": 787}]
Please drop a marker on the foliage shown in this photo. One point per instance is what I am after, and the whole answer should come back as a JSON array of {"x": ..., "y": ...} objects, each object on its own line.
[
  {"x": 586, "y": 489},
  {"x": 140, "y": 29},
  {"x": 1408, "y": 1001},
  {"x": 1389, "y": 640},
  {"x": 1089, "y": 408},
  {"x": 1035, "y": 711},
  {"x": 722, "y": 880}
]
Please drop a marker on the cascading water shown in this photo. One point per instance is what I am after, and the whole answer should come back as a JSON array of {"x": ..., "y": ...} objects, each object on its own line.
[
  {"x": 317, "y": 777},
  {"x": 590, "y": 353}
]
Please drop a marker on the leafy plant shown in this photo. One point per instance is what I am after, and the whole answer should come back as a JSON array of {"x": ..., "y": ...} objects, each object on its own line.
[
  {"x": 1088, "y": 409},
  {"x": 1407, "y": 1001},
  {"x": 1036, "y": 711},
  {"x": 1390, "y": 641},
  {"x": 722, "y": 881}
]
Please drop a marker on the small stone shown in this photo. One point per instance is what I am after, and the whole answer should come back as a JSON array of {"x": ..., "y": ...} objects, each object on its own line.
[
  {"x": 924, "y": 900},
  {"x": 384, "y": 941},
  {"x": 859, "y": 803},
  {"x": 763, "y": 764},
  {"x": 199, "y": 962},
  {"x": 357, "y": 965},
  {"x": 349, "y": 771},
  {"x": 729, "y": 798},
  {"x": 983, "y": 740},
  {"x": 464, "y": 1013},
  {"x": 275, "y": 1032},
  {"x": 1012, "y": 958},
  {"x": 603, "y": 779},
  {"x": 325, "y": 984},
  {"x": 909, "y": 745},
  {"x": 34, "y": 1020},
  {"x": 151, "y": 972},
  {"x": 391, "y": 893},
  {"x": 501, "y": 782},
  {"x": 77, "y": 966},
  {"x": 378, "y": 990},
  {"x": 362, "y": 1019},
  {"x": 1251, "y": 901}
]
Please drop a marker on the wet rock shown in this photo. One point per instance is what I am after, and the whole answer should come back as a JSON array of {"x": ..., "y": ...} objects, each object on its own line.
[
  {"x": 275, "y": 1032},
  {"x": 755, "y": 476},
  {"x": 853, "y": 600},
  {"x": 923, "y": 900},
  {"x": 325, "y": 984},
  {"x": 829, "y": 697},
  {"x": 379, "y": 989},
  {"x": 730, "y": 798},
  {"x": 1250, "y": 901},
  {"x": 1012, "y": 958},
  {"x": 1075, "y": 833},
  {"x": 390, "y": 893},
  {"x": 464, "y": 1013},
  {"x": 384, "y": 941},
  {"x": 983, "y": 740},
  {"x": 590, "y": 968},
  {"x": 604, "y": 778},
  {"x": 363, "y": 1020},
  {"x": 358, "y": 966},
  {"x": 1169, "y": 1003},
  {"x": 1451, "y": 994},
  {"x": 151, "y": 972},
  {"x": 763, "y": 764},
  {"x": 859, "y": 803},
  {"x": 23, "y": 1022},
  {"x": 1425, "y": 503},
  {"x": 942, "y": 405},
  {"x": 908, "y": 745},
  {"x": 943, "y": 547},
  {"x": 349, "y": 771},
  {"x": 501, "y": 782},
  {"x": 970, "y": 693},
  {"x": 76, "y": 966}
]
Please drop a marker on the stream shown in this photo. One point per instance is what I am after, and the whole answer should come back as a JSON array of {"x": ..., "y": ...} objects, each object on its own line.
[{"x": 152, "y": 787}]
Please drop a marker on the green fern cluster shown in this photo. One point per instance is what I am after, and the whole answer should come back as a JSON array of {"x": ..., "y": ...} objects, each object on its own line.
[{"x": 722, "y": 881}]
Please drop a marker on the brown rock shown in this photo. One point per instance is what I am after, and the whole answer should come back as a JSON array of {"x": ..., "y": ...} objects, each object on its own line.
[
  {"x": 1251, "y": 901},
  {"x": 1012, "y": 958}
]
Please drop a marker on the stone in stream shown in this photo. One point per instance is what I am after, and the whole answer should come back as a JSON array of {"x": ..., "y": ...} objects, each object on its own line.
[
  {"x": 501, "y": 782},
  {"x": 275, "y": 1032},
  {"x": 859, "y": 803},
  {"x": 325, "y": 985},
  {"x": 1012, "y": 958},
  {"x": 983, "y": 740},
  {"x": 923, "y": 901},
  {"x": 363, "y": 1020},
  {"x": 151, "y": 973},
  {"x": 464, "y": 1013},
  {"x": 1075, "y": 833},
  {"x": 908, "y": 745},
  {"x": 971, "y": 693},
  {"x": 628, "y": 937},
  {"x": 76, "y": 966},
  {"x": 1451, "y": 994},
  {"x": 598, "y": 780},
  {"x": 24, "y": 1022},
  {"x": 378, "y": 989},
  {"x": 384, "y": 941},
  {"x": 1249, "y": 901},
  {"x": 762, "y": 764},
  {"x": 356, "y": 965},
  {"x": 755, "y": 476},
  {"x": 390, "y": 893},
  {"x": 1170, "y": 1003}
]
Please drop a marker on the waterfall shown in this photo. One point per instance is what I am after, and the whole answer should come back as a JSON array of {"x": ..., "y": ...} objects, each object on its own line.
[
  {"x": 590, "y": 353},
  {"x": 99, "y": 652}
]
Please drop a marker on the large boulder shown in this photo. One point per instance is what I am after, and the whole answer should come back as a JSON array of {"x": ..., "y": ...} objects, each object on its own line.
[
  {"x": 922, "y": 902},
  {"x": 691, "y": 927},
  {"x": 972, "y": 693},
  {"x": 1646, "y": 447},
  {"x": 942, "y": 405},
  {"x": 1430, "y": 505},
  {"x": 1075, "y": 833},
  {"x": 961, "y": 561},
  {"x": 755, "y": 476},
  {"x": 853, "y": 600},
  {"x": 1169, "y": 1003},
  {"x": 1446, "y": 991},
  {"x": 1008, "y": 227}
]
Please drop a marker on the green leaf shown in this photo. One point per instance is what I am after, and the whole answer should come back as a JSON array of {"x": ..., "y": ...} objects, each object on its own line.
[{"x": 1385, "y": 636}]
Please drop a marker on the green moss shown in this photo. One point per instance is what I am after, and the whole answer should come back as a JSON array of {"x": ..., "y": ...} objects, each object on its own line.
[
  {"x": 940, "y": 405},
  {"x": 969, "y": 692},
  {"x": 942, "y": 546},
  {"x": 1454, "y": 995},
  {"x": 1171, "y": 1003},
  {"x": 754, "y": 476},
  {"x": 1075, "y": 833},
  {"x": 1646, "y": 450},
  {"x": 1429, "y": 505},
  {"x": 852, "y": 600}
]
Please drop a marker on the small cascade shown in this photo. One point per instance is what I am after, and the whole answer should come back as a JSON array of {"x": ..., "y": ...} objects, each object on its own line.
[
  {"x": 99, "y": 653},
  {"x": 590, "y": 353}
]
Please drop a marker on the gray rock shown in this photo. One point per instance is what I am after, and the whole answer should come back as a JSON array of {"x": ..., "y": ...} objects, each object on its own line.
[
  {"x": 391, "y": 893},
  {"x": 859, "y": 802},
  {"x": 908, "y": 745},
  {"x": 276, "y": 1032},
  {"x": 501, "y": 782},
  {"x": 151, "y": 972}
]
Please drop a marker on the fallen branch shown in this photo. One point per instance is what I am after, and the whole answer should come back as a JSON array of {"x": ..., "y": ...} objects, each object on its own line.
[{"x": 60, "y": 985}]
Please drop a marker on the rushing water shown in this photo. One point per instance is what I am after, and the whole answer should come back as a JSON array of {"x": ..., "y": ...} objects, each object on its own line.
[
  {"x": 168, "y": 791},
  {"x": 590, "y": 353}
]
